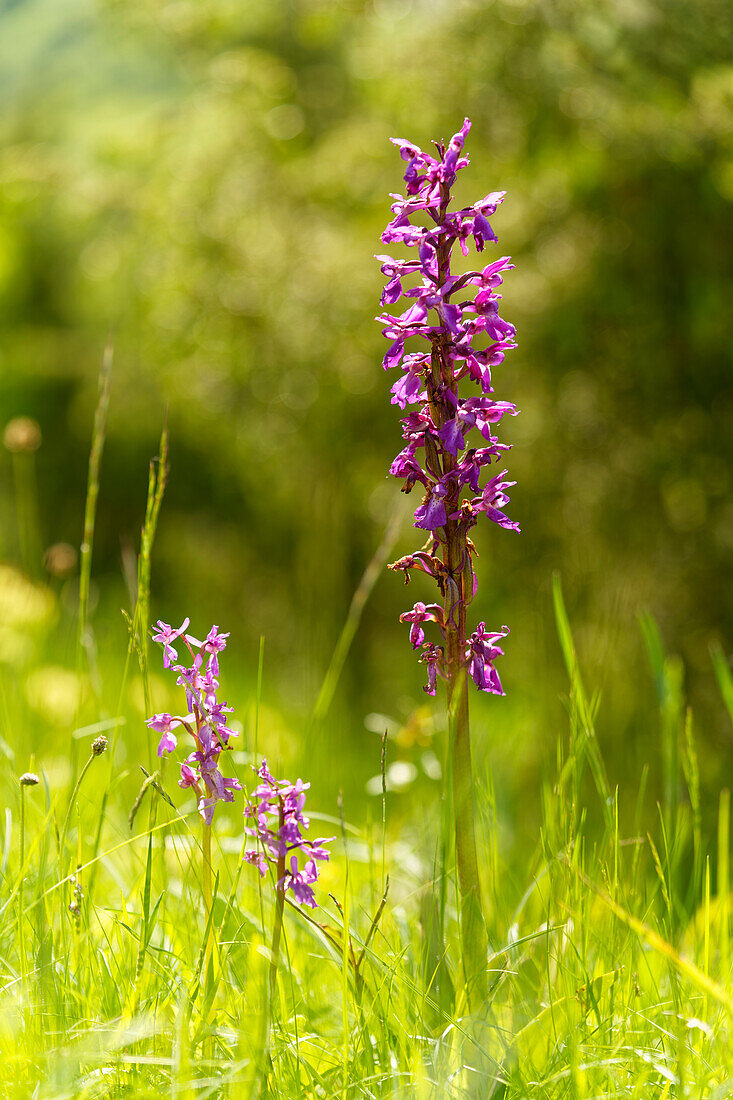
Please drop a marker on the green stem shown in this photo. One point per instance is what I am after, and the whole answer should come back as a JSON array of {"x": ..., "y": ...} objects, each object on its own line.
[
  {"x": 206, "y": 879},
  {"x": 65, "y": 826},
  {"x": 206, "y": 876},
  {"x": 21, "y": 936},
  {"x": 156, "y": 488},
  {"x": 90, "y": 507},
  {"x": 276, "y": 931},
  {"x": 474, "y": 940}
]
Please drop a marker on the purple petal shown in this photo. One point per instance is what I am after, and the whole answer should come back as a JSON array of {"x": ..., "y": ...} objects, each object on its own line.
[
  {"x": 167, "y": 743},
  {"x": 451, "y": 437}
]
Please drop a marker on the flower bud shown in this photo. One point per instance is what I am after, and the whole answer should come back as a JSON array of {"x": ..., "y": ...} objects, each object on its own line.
[
  {"x": 22, "y": 434},
  {"x": 60, "y": 559},
  {"x": 29, "y": 779},
  {"x": 99, "y": 745}
]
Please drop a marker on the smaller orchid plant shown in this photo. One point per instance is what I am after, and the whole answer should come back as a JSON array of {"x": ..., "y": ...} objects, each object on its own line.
[
  {"x": 280, "y": 841},
  {"x": 276, "y": 807},
  {"x": 205, "y": 722},
  {"x": 276, "y": 810}
]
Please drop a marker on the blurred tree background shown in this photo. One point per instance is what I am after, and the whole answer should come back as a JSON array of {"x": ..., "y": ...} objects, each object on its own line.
[{"x": 206, "y": 181}]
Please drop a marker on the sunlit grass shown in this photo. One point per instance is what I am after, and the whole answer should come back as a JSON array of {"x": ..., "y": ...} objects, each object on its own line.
[
  {"x": 611, "y": 977},
  {"x": 609, "y": 963}
]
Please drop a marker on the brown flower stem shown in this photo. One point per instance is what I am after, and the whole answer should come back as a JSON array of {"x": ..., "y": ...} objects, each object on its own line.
[{"x": 279, "y": 908}]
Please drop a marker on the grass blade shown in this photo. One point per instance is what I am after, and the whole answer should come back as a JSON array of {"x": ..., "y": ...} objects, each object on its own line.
[
  {"x": 582, "y": 710},
  {"x": 99, "y": 433},
  {"x": 724, "y": 676},
  {"x": 685, "y": 966},
  {"x": 356, "y": 609}
]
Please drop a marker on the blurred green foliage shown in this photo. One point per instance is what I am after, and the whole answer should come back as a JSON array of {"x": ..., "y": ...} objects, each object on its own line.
[{"x": 206, "y": 180}]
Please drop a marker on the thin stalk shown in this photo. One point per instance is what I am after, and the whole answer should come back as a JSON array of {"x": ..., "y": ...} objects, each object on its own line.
[
  {"x": 724, "y": 884},
  {"x": 356, "y": 609},
  {"x": 65, "y": 826},
  {"x": 383, "y": 772},
  {"x": 346, "y": 944},
  {"x": 206, "y": 879},
  {"x": 157, "y": 478},
  {"x": 90, "y": 508},
  {"x": 473, "y": 928},
  {"x": 206, "y": 876},
  {"x": 706, "y": 934},
  {"x": 277, "y": 928},
  {"x": 156, "y": 487},
  {"x": 21, "y": 937},
  {"x": 110, "y": 776}
]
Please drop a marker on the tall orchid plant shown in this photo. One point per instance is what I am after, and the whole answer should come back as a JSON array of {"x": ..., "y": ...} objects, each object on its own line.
[{"x": 457, "y": 316}]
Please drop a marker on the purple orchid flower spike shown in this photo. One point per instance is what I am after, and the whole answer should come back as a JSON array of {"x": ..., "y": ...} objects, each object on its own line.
[
  {"x": 439, "y": 455},
  {"x": 278, "y": 827},
  {"x": 206, "y": 725},
  {"x": 278, "y": 824}
]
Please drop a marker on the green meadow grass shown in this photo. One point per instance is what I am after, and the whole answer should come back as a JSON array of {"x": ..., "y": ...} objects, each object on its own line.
[{"x": 610, "y": 976}]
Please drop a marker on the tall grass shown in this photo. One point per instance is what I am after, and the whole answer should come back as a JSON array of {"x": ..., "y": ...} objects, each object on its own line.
[{"x": 609, "y": 977}]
